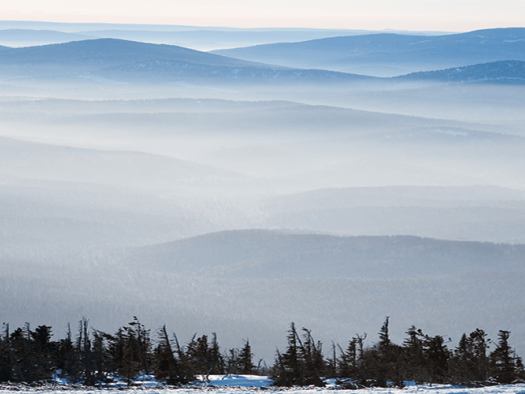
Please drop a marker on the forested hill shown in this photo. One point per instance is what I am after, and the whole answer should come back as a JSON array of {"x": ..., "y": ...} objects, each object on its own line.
[
  {"x": 274, "y": 254},
  {"x": 503, "y": 72},
  {"x": 391, "y": 54},
  {"x": 130, "y": 61}
]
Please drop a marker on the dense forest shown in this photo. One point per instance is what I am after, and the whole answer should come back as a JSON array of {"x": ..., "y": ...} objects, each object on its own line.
[{"x": 92, "y": 357}]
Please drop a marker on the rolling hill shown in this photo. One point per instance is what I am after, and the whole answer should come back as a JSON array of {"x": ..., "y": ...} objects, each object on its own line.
[
  {"x": 501, "y": 72},
  {"x": 391, "y": 54},
  {"x": 273, "y": 254},
  {"x": 129, "y": 61}
]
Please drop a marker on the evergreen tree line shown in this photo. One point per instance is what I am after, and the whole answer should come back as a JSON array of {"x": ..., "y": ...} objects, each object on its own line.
[
  {"x": 93, "y": 357},
  {"x": 421, "y": 359}
]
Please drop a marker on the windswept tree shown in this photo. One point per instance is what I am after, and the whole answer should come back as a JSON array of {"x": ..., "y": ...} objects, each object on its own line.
[
  {"x": 287, "y": 370},
  {"x": 301, "y": 364},
  {"x": 205, "y": 358},
  {"x": 129, "y": 350},
  {"x": 166, "y": 367},
  {"x": 311, "y": 356},
  {"x": 506, "y": 365}
]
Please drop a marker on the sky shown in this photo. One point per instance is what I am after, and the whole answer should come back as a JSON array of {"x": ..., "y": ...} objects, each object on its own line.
[{"x": 428, "y": 15}]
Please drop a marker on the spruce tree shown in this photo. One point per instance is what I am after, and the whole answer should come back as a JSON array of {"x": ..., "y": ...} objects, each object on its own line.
[
  {"x": 287, "y": 370},
  {"x": 413, "y": 365},
  {"x": 5, "y": 355},
  {"x": 245, "y": 359},
  {"x": 503, "y": 359}
]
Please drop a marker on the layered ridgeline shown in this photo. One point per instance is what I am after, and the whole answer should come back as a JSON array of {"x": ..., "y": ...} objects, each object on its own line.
[
  {"x": 391, "y": 54},
  {"x": 271, "y": 254},
  {"x": 502, "y": 72},
  {"x": 26, "y": 33},
  {"x": 118, "y": 61},
  {"x": 29, "y": 37},
  {"x": 151, "y": 206}
]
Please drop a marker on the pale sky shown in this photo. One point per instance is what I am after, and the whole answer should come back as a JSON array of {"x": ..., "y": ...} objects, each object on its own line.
[{"x": 443, "y": 15}]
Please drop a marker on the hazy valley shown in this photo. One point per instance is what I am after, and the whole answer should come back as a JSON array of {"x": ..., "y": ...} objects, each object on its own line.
[{"x": 237, "y": 194}]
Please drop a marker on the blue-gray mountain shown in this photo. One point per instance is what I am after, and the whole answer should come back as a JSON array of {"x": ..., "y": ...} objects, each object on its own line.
[
  {"x": 504, "y": 72},
  {"x": 27, "y": 37},
  {"x": 274, "y": 254},
  {"x": 23, "y": 33},
  {"x": 119, "y": 61},
  {"x": 129, "y": 61},
  {"x": 391, "y": 54}
]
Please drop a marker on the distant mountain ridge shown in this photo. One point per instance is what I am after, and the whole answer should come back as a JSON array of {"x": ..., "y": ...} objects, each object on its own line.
[
  {"x": 130, "y": 61},
  {"x": 267, "y": 253},
  {"x": 110, "y": 52},
  {"x": 121, "y": 61},
  {"x": 26, "y": 33},
  {"x": 508, "y": 71},
  {"x": 397, "y": 52},
  {"x": 28, "y": 37}
]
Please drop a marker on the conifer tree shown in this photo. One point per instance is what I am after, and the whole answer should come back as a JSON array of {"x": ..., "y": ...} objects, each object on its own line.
[
  {"x": 67, "y": 359},
  {"x": 287, "y": 370},
  {"x": 83, "y": 348},
  {"x": 5, "y": 355},
  {"x": 505, "y": 364},
  {"x": 413, "y": 365},
  {"x": 311, "y": 357},
  {"x": 469, "y": 362},
  {"x": 41, "y": 353},
  {"x": 166, "y": 367},
  {"x": 436, "y": 357},
  {"x": 245, "y": 363}
]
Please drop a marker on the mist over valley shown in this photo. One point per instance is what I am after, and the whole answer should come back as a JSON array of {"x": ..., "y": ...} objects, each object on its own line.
[{"x": 331, "y": 181}]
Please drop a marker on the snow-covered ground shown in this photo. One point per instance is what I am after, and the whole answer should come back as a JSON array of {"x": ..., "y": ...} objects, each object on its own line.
[
  {"x": 236, "y": 384},
  {"x": 508, "y": 389}
]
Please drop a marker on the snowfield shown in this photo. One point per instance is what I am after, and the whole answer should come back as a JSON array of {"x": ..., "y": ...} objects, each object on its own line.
[
  {"x": 237, "y": 384},
  {"x": 507, "y": 389}
]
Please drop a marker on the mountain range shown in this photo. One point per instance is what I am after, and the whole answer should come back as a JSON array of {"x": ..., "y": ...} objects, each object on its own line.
[
  {"x": 270, "y": 254},
  {"x": 216, "y": 194},
  {"x": 27, "y": 33},
  {"x": 504, "y": 72},
  {"x": 391, "y": 54},
  {"x": 124, "y": 62},
  {"x": 129, "y": 61}
]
